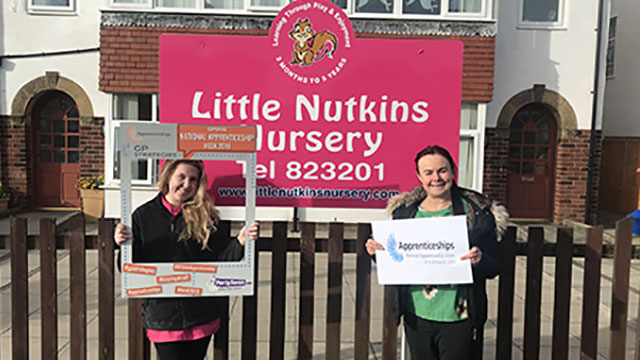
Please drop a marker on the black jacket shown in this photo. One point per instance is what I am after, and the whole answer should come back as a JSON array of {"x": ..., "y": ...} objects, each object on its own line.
[
  {"x": 155, "y": 239},
  {"x": 486, "y": 220}
]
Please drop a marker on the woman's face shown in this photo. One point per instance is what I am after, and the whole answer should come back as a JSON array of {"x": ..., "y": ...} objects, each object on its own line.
[
  {"x": 436, "y": 175},
  {"x": 183, "y": 184}
]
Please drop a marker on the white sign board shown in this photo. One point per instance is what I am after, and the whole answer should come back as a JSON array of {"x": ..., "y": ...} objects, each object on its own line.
[
  {"x": 195, "y": 142},
  {"x": 423, "y": 251}
]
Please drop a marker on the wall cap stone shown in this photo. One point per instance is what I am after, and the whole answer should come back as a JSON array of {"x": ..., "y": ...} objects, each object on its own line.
[{"x": 252, "y": 22}]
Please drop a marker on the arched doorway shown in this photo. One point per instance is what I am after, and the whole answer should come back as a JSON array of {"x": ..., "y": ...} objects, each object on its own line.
[
  {"x": 56, "y": 150},
  {"x": 532, "y": 153}
]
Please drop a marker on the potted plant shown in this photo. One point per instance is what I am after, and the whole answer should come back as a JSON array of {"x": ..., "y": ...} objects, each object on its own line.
[
  {"x": 4, "y": 198},
  {"x": 91, "y": 194}
]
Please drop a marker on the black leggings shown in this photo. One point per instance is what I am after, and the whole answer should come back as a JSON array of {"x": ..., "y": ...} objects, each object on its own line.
[
  {"x": 440, "y": 340},
  {"x": 183, "y": 350}
]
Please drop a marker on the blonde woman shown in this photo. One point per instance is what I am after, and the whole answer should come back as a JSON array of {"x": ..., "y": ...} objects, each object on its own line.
[{"x": 179, "y": 224}]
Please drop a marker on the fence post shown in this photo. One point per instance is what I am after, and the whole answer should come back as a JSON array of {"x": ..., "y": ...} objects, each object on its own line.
[
  {"x": 505, "y": 295},
  {"x": 334, "y": 290},
  {"x": 620, "y": 289},
  {"x": 307, "y": 268},
  {"x": 48, "y": 289},
  {"x": 363, "y": 295},
  {"x": 221, "y": 338},
  {"x": 591, "y": 293},
  {"x": 19, "y": 290},
  {"x": 278, "y": 290},
  {"x": 78, "y": 288},
  {"x": 533, "y": 294},
  {"x": 562, "y": 294},
  {"x": 106, "y": 311}
]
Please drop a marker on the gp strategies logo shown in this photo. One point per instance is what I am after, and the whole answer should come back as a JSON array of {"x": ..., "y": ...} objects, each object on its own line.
[{"x": 311, "y": 40}]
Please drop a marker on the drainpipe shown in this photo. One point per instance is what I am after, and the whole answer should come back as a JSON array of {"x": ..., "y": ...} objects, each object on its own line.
[{"x": 594, "y": 114}]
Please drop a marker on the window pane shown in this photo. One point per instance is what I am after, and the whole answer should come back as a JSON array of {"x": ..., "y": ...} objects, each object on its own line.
[
  {"x": 176, "y": 3},
  {"x": 45, "y": 141},
  {"x": 543, "y": 138},
  {"x": 58, "y": 141},
  {"x": 132, "y": 107},
  {"x": 374, "y": 6},
  {"x": 527, "y": 168},
  {"x": 465, "y": 163},
  {"x": 73, "y": 141},
  {"x": 540, "y": 10},
  {"x": 465, "y": 6},
  {"x": 58, "y": 156},
  {"x": 51, "y": 2},
  {"x": 45, "y": 125},
  {"x": 267, "y": 3},
  {"x": 130, "y": 1},
  {"x": 528, "y": 153},
  {"x": 469, "y": 116},
  {"x": 430, "y": 7},
  {"x": 529, "y": 137},
  {"x": 58, "y": 126},
  {"x": 223, "y": 4},
  {"x": 342, "y": 4},
  {"x": 74, "y": 157},
  {"x": 73, "y": 126}
]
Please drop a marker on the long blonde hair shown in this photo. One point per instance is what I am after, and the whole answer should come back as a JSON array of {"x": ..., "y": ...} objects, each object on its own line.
[{"x": 199, "y": 212}]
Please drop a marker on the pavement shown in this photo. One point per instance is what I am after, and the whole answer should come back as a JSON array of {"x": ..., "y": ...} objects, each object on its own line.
[{"x": 291, "y": 323}]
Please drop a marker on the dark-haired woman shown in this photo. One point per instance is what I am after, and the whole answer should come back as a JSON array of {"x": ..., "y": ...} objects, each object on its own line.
[
  {"x": 178, "y": 225},
  {"x": 446, "y": 322}
]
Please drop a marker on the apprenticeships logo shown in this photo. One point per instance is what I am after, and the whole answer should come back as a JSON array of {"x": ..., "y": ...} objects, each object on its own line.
[
  {"x": 132, "y": 135},
  {"x": 392, "y": 247},
  {"x": 311, "y": 41}
]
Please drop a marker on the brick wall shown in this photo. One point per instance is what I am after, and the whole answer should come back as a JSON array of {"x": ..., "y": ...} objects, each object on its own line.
[
  {"x": 129, "y": 58},
  {"x": 92, "y": 145},
  {"x": 571, "y": 172},
  {"x": 495, "y": 166},
  {"x": 15, "y": 172}
]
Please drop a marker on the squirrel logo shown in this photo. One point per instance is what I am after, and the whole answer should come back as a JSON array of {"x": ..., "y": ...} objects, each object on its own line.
[{"x": 309, "y": 46}]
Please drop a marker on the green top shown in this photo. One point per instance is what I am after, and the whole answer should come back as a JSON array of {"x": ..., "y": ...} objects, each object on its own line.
[{"x": 445, "y": 303}]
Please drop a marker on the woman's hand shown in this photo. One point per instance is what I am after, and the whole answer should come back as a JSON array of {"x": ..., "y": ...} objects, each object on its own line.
[
  {"x": 252, "y": 233},
  {"x": 372, "y": 246},
  {"x": 474, "y": 255},
  {"x": 121, "y": 234}
]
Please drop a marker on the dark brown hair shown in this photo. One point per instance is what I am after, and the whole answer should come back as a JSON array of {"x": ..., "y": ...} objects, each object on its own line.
[{"x": 436, "y": 150}]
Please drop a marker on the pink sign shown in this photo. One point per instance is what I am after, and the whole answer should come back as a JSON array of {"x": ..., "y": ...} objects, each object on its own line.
[{"x": 339, "y": 120}]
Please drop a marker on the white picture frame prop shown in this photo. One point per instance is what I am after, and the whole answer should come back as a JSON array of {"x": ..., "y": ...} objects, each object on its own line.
[{"x": 195, "y": 142}]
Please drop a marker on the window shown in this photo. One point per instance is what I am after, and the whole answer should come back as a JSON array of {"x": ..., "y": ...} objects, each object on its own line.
[
  {"x": 541, "y": 13},
  {"x": 471, "y": 158},
  {"x": 611, "y": 46},
  {"x": 415, "y": 8},
  {"x": 129, "y": 107},
  {"x": 51, "y": 6}
]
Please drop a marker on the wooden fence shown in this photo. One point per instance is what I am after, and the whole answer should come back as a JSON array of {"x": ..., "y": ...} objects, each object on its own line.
[{"x": 564, "y": 250}]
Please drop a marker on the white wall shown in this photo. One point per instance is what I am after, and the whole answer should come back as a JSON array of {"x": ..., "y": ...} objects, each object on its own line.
[
  {"x": 622, "y": 95},
  {"x": 25, "y": 33},
  {"x": 562, "y": 59}
]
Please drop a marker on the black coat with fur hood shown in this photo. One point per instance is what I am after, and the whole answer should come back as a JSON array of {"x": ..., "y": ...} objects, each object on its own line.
[{"x": 486, "y": 222}]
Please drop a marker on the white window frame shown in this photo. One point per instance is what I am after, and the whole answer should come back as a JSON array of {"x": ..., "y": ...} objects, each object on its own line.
[
  {"x": 486, "y": 13},
  {"x": 52, "y": 9},
  {"x": 477, "y": 137},
  {"x": 561, "y": 24},
  {"x": 109, "y": 145}
]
